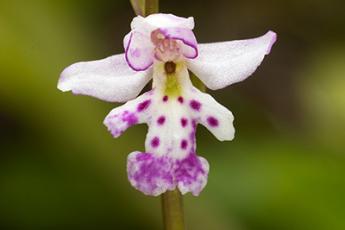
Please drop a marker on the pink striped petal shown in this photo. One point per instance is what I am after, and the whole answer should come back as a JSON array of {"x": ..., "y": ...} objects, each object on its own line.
[
  {"x": 190, "y": 43},
  {"x": 139, "y": 51}
]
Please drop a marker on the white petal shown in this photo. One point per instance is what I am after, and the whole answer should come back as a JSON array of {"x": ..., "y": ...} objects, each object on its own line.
[
  {"x": 190, "y": 45},
  {"x": 134, "y": 112},
  {"x": 214, "y": 116},
  {"x": 138, "y": 51},
  {"x": 221, "y": 64},
  {"x": 109, "y": 79}
]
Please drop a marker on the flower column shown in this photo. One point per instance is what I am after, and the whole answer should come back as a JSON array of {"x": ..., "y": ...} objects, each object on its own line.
[{"x": 172, "y": 202}]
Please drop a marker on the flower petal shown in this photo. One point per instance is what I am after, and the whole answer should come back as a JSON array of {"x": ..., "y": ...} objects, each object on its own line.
[
  {"x": 139, "y": 51},
  {"x": 221, "y": 64},
  {"x": 214, "y": 116},
  {"x": 155, "y": 21},
  {"x": 109, "y": 79},
  {"x": 136, "y": 111},
  {"x": 150, "y": 173},
  {"x": 191, "y": 174},
  {"x": 189, "y": 48}
]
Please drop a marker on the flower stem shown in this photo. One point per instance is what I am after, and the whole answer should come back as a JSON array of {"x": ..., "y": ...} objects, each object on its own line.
[
  {"x": 172, "y": 207},
  {"x": 151, "y": 7}
]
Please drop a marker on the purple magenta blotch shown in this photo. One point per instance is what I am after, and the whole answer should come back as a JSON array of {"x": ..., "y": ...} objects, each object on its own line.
[
  {"x": 165, "y": 98},
  {"x": 149, "y": 173},
  {"x": 180, "y": 99},
  {"x": 161, "y": 120},
  {"x": 130, "y": 118},
  {"x": 153, "y": 174},
  {"x": 212, "y": 121},
  {"x": 155, "y": 142},
  {"x": 184, "y": 122},
  {"x": 184, "y": 144},
  {"x": 195, "y": 105},
  {"x": 191, "y": 173},
  {"x": 143, "y": 105}
]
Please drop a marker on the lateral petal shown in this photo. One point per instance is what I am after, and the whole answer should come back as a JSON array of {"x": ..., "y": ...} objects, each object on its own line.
[
  {"x": 224, "y": 63},
  {"x": 109, "y": 79}
]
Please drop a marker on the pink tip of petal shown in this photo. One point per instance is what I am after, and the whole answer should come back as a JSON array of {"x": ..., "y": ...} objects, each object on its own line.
[{"x": 273, "y": 39}]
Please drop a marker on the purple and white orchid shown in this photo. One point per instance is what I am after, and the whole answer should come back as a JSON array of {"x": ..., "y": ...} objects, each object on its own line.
[{"x": 162, "y": 47}]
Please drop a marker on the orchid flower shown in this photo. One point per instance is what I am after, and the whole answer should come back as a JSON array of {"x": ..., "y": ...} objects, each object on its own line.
[{"x": 162, "y": 47}]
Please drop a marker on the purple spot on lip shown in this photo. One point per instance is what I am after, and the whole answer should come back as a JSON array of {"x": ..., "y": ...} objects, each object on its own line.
[
  {"x": 184, "y": 144},
  {"x": 180, "y": 99},
  {"x": 161, "y": 120},
  {"x": 155, "y": 142},
  {"x": 130, "y": 118},
  {"x": 212, "y": 121},
  {"x": 165, "y": 98},
  {"x": 143, "y": 105},
  {"x": 195, "y": 105},
  {"x": 184, "y": 122},
  {"x": 150, "y": 174}
]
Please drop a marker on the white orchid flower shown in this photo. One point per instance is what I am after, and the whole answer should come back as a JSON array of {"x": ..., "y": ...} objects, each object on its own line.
[{"x": 162, "y": 47}]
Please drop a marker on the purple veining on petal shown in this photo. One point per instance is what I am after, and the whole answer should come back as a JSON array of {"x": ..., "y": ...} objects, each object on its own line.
[
  {"x": 180, "y": 99},
  {"x": 165, "y": 98},
  {"x": 143, "y": 105},
  {"x": 184, "y": 144},
  {"x": 184, "y": 122},
  {"x": 161, "y": 120},
  {"x": 185, "y": 35},
  {"x": 155, "y": 142},
  {"x": 212, "y": 121},
  {"x": 195, "y": 105},
  {"x": 127, "y": 58}
]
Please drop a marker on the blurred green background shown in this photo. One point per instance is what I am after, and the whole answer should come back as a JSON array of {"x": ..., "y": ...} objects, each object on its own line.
[{"x": 61, "y": 169}]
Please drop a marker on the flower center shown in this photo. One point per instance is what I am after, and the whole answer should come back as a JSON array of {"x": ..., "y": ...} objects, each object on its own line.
[{"x": 166, "y": 49}]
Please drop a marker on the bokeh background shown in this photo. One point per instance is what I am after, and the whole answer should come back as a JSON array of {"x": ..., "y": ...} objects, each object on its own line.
[{"x": 61, "y": 169}]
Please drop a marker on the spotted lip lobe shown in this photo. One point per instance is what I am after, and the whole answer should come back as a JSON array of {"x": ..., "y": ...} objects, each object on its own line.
[
  {"x": 143, "y": 105},
  {"x": 195, "y": 105},
  {"x": 212, "y": 121},
  {"x": 155, "y": 142}
]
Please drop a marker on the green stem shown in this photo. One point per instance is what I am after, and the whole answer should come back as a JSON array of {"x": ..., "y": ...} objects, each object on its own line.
[
  {"x": 172, "y": 207},
  {"x": 151, "y": 7}
]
